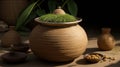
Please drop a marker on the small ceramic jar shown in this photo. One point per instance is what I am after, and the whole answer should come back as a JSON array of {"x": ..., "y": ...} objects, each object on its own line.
[
  {"x": 10, "y": 37},
  {"x": 106, "y": 41}
]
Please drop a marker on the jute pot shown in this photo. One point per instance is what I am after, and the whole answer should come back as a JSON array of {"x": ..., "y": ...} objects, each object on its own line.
[{"x": 58, "y": 42}]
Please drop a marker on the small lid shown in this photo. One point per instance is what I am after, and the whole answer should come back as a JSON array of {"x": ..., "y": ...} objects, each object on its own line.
[
  {"x": 11, "y": 27},
  {"x": 106, "y": 30},
  {"x": 59, "y": 11},
  {"x": 3, "y": 24}
]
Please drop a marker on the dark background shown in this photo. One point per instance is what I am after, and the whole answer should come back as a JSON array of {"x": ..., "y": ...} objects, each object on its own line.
[{"x": 99, "y": 13}]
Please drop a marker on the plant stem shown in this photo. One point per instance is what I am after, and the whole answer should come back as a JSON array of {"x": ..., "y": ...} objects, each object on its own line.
[
  {"x": 64, "y": 3},
  {"x": 40, "y": 4}
]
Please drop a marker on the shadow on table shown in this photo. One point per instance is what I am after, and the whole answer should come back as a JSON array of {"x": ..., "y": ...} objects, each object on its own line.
[
  {"x": 90, "y": 50},
  {"x": 32, "y": 61},
  {"x": 52, "y": 64},
  {"x": 4, "y": 64}
]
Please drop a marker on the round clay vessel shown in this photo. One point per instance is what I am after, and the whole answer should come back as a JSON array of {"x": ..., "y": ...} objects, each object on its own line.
[
  {"x": 10, "y": 37},
  {"x": 106, "y": 41},
  {"x": 58, "y": 42}
]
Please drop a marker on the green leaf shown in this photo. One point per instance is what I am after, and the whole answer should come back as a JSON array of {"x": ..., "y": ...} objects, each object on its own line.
[
  {"x": 52, "y": 5},
  {"x": 31, "y": 17},
  {"x": 24, "y": 15},
  {"x": 72, "y": 7},
  {"x": 40, "y": 12}
]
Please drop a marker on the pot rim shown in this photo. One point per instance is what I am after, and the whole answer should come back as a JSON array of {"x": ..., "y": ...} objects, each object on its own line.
[{"x": 57, "y": 24}]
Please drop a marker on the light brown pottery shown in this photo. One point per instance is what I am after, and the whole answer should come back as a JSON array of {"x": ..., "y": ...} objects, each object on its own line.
[
  {"x": 10, "y": 10},
  {"x": 58, "y": 42},
  {"x": 106, "y": 41},
  {"x": 10, "y": 37}
]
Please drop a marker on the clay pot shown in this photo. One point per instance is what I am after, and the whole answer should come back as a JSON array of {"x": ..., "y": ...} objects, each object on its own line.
[
  {"x": 58, "y": 42},
  {"x": 10, "y": 37},
  {"x": 10, "y": 10},
  {"x": 14, "y": 57},
  {"x": 106, "y": 41}
]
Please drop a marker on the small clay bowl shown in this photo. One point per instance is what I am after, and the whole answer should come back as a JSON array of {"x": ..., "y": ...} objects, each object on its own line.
[
  {"x": 93, "y": 57},
  {"x": 14, "y": 57}
]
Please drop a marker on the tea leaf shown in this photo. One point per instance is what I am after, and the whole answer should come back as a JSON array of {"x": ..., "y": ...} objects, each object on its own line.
[
  {"x": 52, "y": 5},
  {"x": 31, "y": 17},
  {"x": 40, "y": 12},
  {"x": 24, "y": 16},
  {"x": 72, "y": 7}
]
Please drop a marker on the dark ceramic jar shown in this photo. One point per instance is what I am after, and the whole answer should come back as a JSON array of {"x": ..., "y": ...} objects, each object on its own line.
[{"x": 14, "y": 57}]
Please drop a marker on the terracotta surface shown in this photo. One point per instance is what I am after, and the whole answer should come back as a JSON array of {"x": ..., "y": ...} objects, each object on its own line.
[
  {"x": 58, "y": 43},
  {"x": 32, "y": 61}
]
